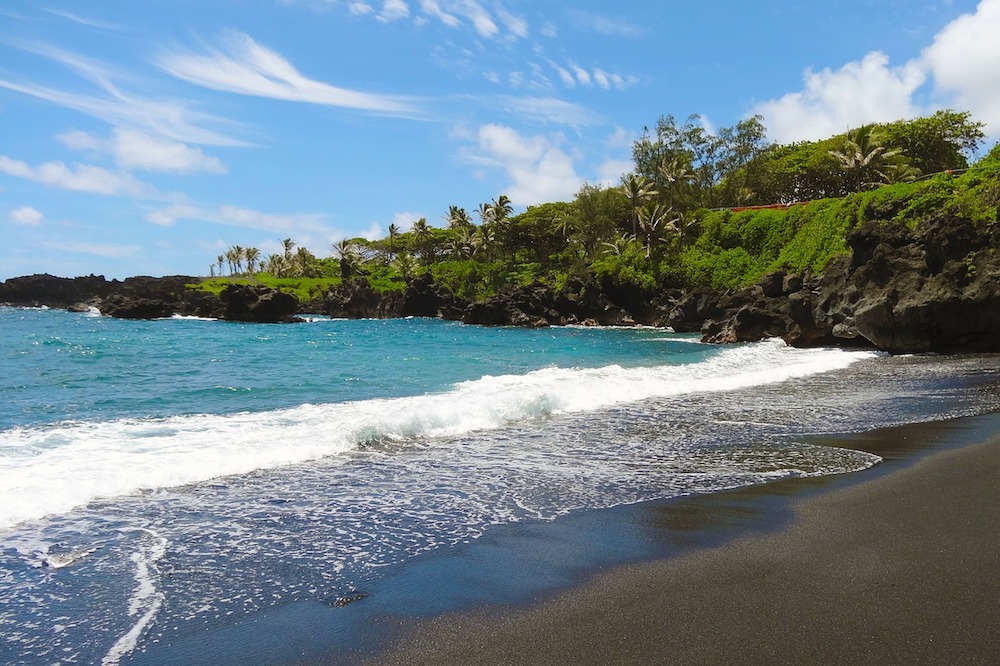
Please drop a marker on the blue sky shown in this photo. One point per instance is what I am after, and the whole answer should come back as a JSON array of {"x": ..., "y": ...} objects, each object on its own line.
[{"x": 147, "y": 137}]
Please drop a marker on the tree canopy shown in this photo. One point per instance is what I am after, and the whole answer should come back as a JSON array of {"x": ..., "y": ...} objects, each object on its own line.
[{"x": 678, "y": 218}]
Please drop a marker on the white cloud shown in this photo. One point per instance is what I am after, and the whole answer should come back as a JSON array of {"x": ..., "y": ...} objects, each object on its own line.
[
  {"x": 609, "y": 173},
  {"x": 80, "y": 178},
  {"x": 248, "y": 68},
  {"x": 133, "y": 149},
  {"x": 565, "y": 75},
  {"x": 406, "y": 219},
  {"x": 538, "y": 169},
  {"x": 25, "y": 215},
  {"x": 166, "y": 217},
  {"x": 835, "y": 101},
  {"x": 582, "y": 75},
  {"x": 574, "y": 75},
  {"x": 433, "y": 8},
  {"x": 393, "y": 10},
  {"x": 961, "y": 63},
  {"x": 620, "y": 138},
  {"x": 373, "y": 232},
  {"x": 965, "y": 62},
  {"x": 516, "y": 25},
  {"x": 360, "y": 8},
  {"x": 601, "y": 78},
  {"x": 479, "y": 17}
]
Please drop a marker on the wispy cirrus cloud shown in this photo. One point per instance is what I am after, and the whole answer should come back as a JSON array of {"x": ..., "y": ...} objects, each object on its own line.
[
  {"x": 112, "y": 102},
  {"x": 82, "y": 20},
  {"x": 606, "y": 24},
  {"x": 549, "y": 110},
  {"x": 245, "y": 67},
  {"x": 235, "y": 216},
  {"x": 133, "y": 149}
]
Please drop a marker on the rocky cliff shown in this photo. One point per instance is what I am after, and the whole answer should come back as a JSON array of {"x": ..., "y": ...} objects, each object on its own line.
[{"x": 932, "y": 289}]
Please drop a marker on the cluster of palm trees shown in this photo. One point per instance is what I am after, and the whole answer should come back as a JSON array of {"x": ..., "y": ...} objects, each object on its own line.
[
  {"x": 247, "y": 261},
  {"x": 653, "y": 215}
]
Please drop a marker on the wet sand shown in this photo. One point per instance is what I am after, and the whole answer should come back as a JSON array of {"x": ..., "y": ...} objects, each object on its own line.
[{"x": 900, "y": 564}]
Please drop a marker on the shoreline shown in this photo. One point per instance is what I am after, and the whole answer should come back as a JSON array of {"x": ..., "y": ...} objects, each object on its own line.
[{"x": 891, "y": 564}]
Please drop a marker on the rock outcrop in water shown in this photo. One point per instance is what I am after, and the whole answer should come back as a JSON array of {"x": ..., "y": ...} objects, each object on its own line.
[
  {"x": 150, "y": 298},
  {"x": 901, "y": 290}
]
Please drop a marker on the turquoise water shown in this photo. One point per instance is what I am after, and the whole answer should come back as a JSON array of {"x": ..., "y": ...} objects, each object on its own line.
[
  {"x": 60, "y": 365},
  {"x": 163, "y": 481}
]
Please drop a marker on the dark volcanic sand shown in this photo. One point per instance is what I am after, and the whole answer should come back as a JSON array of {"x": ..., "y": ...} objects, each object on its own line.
[{"x": 899, "y": 564}]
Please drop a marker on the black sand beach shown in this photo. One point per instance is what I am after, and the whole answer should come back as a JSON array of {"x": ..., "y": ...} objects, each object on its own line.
[{"x": 898, "y": 564}]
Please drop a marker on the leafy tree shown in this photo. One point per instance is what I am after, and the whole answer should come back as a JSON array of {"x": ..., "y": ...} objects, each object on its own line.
[
  {"x": 601, "y": 213},
  {"x": 943, "y": 141}
]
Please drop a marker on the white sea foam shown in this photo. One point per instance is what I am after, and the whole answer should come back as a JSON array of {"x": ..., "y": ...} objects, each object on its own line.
[
  {"x": 190, "y": 318},
  {"x": 146, "y": 600},
  {"x": 53, "y": 469}
]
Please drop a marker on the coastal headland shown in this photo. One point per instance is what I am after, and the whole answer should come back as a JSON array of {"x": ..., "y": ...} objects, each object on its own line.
[{"x": 899, "y": 289}]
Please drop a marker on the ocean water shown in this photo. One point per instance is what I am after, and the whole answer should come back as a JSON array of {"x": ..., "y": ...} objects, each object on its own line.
[{"x": 160, "y": 479}]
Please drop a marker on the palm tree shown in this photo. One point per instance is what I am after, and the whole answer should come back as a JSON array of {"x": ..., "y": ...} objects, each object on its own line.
[
  {"x": 276, "y": 265},
  {"x": 684, "y": 225},
  {"x": 675, "y": 173},
  {"x": 304, "y": 262},
  {"x": 618, "y": 244},
  {"x": 238, "y": 253},
  {"x": 639, "y": 190},
  {"x": 393, "y": 235},
  {"x": 287, "y": 245},
  {"x": 652, "y": 218},
  {"x": 502, "y": 208},
  {"x": 421, "y": 238},
  {"x": 219, "y": 259},
  {"x": 564, "y": 225},
  {"x": 405, "y": 264},
  {"x": 485, "y": 212},
  {"x": 863, "y": 156},
  {"x": 252, "y": 256},
  {"x": 349, "y": 258},
  {"x": 458, "y": 218},
  {"x": 231, "y": 260},
  {"x": 500, "y": 211}
]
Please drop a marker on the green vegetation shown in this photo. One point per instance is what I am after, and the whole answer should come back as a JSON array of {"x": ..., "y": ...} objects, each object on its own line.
[{"x": 716, "y": 210}]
